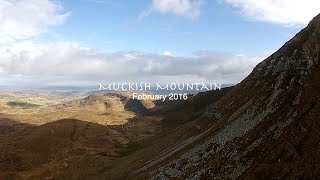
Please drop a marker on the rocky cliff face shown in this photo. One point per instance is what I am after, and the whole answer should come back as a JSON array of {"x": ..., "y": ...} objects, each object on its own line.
[{"x": 268, "y": 126}]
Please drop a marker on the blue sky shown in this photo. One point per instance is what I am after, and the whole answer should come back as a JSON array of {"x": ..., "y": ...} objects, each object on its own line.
[
  {"x": 86, "y": 42},
  {"x": 114, "y": 26}
]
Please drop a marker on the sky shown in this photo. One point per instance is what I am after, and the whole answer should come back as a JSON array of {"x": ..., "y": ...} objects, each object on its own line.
[{"x": 86, "y": 42}]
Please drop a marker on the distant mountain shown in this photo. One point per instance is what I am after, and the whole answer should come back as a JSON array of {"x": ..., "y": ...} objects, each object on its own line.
[{"x": 268, "y": 126}]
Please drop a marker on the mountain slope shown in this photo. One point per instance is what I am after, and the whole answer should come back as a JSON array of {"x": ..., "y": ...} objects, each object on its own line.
[{"x": 268, "y": 124}]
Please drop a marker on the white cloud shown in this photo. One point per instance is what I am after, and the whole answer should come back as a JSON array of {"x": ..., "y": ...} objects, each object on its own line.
[
  {"x": 284, "y": 12},
  {"x": 23, "y": 19},
  {"x": 186, "y": 8},
  {"x": 167, "y": 53},
  {"x": 24, "y": 61},
  {"x": 69, "y": 62}
]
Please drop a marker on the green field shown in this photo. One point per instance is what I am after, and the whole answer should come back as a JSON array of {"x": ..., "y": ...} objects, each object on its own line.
[{"x": 23, "y": 105}]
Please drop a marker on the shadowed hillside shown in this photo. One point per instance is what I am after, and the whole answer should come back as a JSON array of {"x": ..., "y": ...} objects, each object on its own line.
[
  {"x": 265, "y": 127},
  {"x": 73, "y": 148}
]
